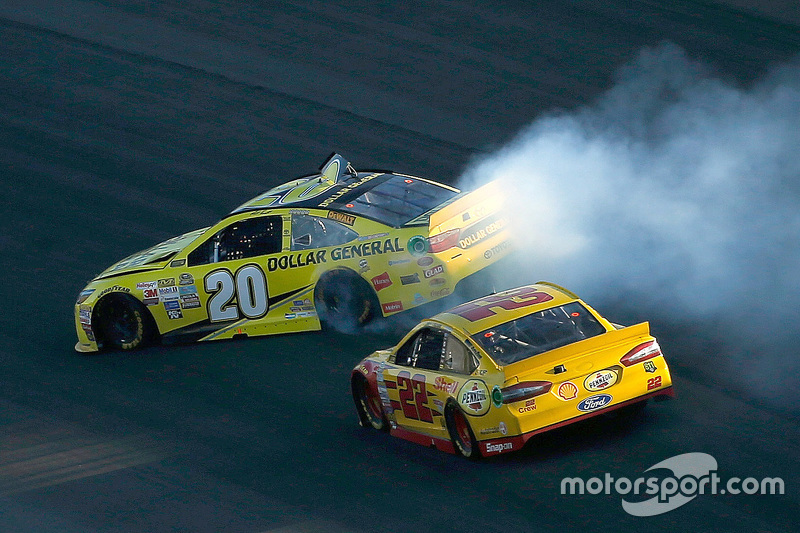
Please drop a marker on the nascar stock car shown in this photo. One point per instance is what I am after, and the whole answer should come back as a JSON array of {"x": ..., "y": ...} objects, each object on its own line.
[
  {"x": 338, "y": 248},
  {"x": 484, "y": 377}
]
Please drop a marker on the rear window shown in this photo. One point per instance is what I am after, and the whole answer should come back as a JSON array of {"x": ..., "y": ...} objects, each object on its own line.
[
  {"x": 538, "y": 333},
  {"x": 399, "y": 200}
]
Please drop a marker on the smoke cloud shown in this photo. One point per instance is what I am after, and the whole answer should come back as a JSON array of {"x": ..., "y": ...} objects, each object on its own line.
[{"x": 676, "y": 189}]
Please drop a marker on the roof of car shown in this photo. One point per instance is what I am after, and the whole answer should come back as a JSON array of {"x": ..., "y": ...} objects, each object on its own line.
[{"x": 495, "y": 309}]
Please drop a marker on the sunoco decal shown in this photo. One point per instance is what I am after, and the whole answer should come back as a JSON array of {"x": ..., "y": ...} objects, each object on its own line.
[
  {"x": 474, "y": 397},
  {"x": 593, "y": 403}
]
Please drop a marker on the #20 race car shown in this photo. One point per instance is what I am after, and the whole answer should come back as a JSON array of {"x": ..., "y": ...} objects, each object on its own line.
[
  {"x": 484, "y": 377},
  {"x": 339, "y": 248}
]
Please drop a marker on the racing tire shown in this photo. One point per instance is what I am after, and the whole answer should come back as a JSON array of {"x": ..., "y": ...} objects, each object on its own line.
[
  {"x": 368, "y": 405},
  {"x": 460, "y": 432},
  {"x": 123, "y": 323},
  {"x": 344, "y": 301}
]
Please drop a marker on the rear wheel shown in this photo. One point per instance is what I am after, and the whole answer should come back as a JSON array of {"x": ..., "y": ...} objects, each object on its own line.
[
  {"x": 460, "y": 432},
  {"x": 344, "y": 301},
  {"x": 368, "y": 404},
  {"x": 123, "y": 323}
]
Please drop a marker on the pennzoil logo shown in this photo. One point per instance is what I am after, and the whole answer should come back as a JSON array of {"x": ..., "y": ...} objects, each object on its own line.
[
  {"x": 600, "y": 380},
  {"x": 474, "y": 397}
]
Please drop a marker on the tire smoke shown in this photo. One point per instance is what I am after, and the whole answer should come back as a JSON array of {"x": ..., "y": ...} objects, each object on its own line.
[{"x": 675, "y": 191}]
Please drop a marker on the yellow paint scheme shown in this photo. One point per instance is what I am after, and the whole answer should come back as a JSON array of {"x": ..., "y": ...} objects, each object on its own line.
[
  {"x": 379, "y": 254},
  {"x": 512, "y": 423}
]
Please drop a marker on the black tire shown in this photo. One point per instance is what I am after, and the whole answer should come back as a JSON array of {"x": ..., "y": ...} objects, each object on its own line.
[
  {"x": 344, "y": 301},
  {"x": 460, "y": 432},
  {"x": 122, "y": 322},
  {"x": 368, "y": 405}
]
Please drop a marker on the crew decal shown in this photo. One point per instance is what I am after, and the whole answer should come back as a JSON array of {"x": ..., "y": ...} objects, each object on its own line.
[{"x": 340, "y": 253}]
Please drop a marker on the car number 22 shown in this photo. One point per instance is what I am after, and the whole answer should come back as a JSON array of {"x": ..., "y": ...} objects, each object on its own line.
[{"x": 248, "y": 287}]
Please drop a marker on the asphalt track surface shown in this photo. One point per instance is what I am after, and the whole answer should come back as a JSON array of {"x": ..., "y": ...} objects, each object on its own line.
[{"x": 122, "y": 124}]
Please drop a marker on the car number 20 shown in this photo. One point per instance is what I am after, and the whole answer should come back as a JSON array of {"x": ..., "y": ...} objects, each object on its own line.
[{"x": 248, "y": 287}]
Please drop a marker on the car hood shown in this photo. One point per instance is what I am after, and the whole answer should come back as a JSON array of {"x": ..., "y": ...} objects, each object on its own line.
[{"x": 152, "y": 258}]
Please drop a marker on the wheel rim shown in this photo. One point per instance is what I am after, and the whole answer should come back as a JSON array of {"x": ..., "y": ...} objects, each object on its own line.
[
  {"x": 125, "y": 325},
  {"x": 463, "y": 437},
  {"x": 371, "y": 405}
]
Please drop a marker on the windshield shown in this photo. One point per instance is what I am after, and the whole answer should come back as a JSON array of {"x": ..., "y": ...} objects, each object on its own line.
[
  {"x": 398, "y": 200},
  {"x": 538, "y": 333}
]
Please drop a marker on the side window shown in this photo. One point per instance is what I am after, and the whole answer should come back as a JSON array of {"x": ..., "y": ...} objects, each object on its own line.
[
  {"x": 241, "y": 240},
  {"x": 424, "y": 350},
  {"x": 317, "y": 232},
  {"x": 457, "y": 358}
]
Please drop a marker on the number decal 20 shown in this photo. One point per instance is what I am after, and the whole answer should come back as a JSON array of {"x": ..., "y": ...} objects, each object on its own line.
[
  {"x": 248, "y": 287},
  {"x": 414, "y": 397}
]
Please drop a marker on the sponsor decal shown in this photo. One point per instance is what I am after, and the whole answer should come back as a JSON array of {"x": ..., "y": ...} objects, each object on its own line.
[
  {"x": 474, "y": 397},
  {"x": 593, "y": 403},
  {"x": 381, "y": 281},
  {"x": 115, "y": 288},
  {"x": 418, "y": 299},
  {"x": 150, "y": 296},
  {"x": 503, "y": 428},
  {"x": 445, "y": 385},
  {"x": 367, "y": 249},
  {"x": 299, "y": 211},
  {"x": 169, "y": 282},
  {"x": 296, "y": 260},
  {"x": 185, "y": 279},
  {"x": 438, "y": 405},
  {"x": 440, "y": 293},
  {"x": 344, "y": 190},
  {"x": 363, "y": 266},
  {"x": 435, "y": 282},
  {"x": 489, "y": 431},
  {"x": 410, "y": 279},
  {"x": 289, "y": 316},
  {"x": 497, "y": 396},
  {"x": 394, "y": 262},
  {"x": 497, "y": 447},
  {"x": 435, "y": 271},
  {"x": 173, "y": 310},
  {"x": 372, "y": 236},
  {"x": 190, "y": 301},
  {"x": 142, "y": 285},
  {"x": 649, "y": 366},
  {"x": 298, "y": 302},
  {"x": 344, "y": 218},
  {"x": 477, "y": 233},
  {"x": 166, "y": 294},
  {"x": 425, "y": 261},
  {"x": 363, "y": 369},
  {"x": 392, "y": 307},
  {"x": 654, "y": 383},
  {"x": 530, "y": 405},
  {"x": 600, "y": 380},
  {"x": 85, "y": 314},
  {"x": 567, "y": 391},
  {"x": 178, "y": 263},
  {"x": 494, "y": 250},
  {"x": 187, "y": 290},
  {"x": 418, "y": 245}
]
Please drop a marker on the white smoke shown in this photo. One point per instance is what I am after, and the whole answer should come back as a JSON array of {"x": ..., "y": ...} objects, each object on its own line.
[{"x": 675, "y": 188}]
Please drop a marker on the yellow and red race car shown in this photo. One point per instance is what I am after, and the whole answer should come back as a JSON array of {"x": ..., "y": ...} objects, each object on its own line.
[
  {"x": 484, "y": 377},
  {"x": 338, "y": 247}
]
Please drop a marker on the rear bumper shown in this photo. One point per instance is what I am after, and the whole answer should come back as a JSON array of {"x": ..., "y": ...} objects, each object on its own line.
[{"x": 508, "y": 444}]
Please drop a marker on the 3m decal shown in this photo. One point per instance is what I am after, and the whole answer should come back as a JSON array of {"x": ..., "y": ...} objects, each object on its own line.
[
  {"x": 414, "y": 397},
  {"x": 509, "y": 300},
  {"x": 248, "y": 287}
]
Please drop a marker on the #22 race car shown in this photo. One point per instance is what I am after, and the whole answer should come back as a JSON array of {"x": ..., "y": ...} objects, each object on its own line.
[
  {"x": 484, "y": 377},
  {"x": 339, "y": 247}
]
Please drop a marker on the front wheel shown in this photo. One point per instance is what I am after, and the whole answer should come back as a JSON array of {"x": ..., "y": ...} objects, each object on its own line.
[
  {"x": 368, "y": 405},
  {"x": 344, "y": 301},
  {"x": 460, "y": 432},
  {"x": 123, "y": 323}
]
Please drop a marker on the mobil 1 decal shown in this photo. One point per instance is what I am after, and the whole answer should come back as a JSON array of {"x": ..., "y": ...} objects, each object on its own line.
[{"x": 240, "y": 295}]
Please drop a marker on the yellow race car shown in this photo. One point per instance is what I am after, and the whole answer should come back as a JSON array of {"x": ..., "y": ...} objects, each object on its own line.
[
  {"x": 338, "y": 248},
  {"x": 484, "y": 377}
]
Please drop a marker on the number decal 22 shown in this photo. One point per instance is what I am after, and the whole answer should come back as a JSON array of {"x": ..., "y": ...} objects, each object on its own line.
[
  {"x": 414, "y": 397},
  {"x": 248, "y": 287}
]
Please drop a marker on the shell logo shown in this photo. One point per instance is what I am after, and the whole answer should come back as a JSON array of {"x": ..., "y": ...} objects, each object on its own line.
[{"x": 567, "y": 391}]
